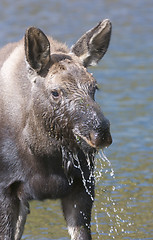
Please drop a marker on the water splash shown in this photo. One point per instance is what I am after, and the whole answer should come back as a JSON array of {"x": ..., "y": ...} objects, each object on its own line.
[
  {"x": 105, "y": 159},
  {"x": 103, "y": 173},
  {"x": 110, "y": 210}
]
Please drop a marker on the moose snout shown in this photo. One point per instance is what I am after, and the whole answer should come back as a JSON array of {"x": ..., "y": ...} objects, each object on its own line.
[{"x": 101, "y": 137}]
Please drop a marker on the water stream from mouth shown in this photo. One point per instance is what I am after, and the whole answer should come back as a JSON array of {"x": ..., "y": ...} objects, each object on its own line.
[
  {"x": 109, "y": 207},
  {"x": 82, "y": 174}
]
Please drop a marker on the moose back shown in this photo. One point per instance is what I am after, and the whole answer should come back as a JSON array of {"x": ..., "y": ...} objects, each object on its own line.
[{"x": 50, "y": 128}]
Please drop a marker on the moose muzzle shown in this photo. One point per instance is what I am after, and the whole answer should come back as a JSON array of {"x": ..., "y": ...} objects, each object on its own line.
[
  {"x": 100, "y": 137},
  {"x": 96, "y": 135}
]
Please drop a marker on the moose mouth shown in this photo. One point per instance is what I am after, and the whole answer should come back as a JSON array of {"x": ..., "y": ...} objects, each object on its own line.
[
  {"x": 94, "y": 140},
  {"x": 88, "y": 141}
]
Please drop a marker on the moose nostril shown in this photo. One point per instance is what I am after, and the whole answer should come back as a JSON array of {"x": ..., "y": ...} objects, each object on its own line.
[{"x": 100, "y": 139}]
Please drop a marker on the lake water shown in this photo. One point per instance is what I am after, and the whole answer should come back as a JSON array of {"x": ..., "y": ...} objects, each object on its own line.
[{"x": 124, "y": 191}]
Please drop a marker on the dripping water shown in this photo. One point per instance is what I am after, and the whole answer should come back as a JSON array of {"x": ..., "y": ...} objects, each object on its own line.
[
  {"x": 109, "y": 207},
  {"x": 82, "y": 174},
  {"x": 86, "y": 182}
]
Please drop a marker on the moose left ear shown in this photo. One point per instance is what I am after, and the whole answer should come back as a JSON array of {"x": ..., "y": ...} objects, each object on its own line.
[
  {"x": 91, "y": 47},
  {"x": 37, "y": 49}
]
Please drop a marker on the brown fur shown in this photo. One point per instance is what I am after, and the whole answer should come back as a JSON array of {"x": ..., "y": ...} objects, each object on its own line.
[{"x": 50, "y": 128}]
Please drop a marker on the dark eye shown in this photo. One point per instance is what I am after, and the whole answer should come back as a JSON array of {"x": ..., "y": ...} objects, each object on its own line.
[{"x": 55, "y": 94}]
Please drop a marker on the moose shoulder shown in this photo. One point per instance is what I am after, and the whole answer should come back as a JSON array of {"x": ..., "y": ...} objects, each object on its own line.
[{"x": 50, "y": 128}]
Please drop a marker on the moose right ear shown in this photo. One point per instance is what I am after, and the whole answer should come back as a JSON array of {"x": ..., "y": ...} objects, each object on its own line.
[
  {"x": 92, "y": 46},
  {"x": 37, "y": 49}
]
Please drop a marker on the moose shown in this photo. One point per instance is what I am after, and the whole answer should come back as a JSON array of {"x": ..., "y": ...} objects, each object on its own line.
[{"x": 50, "y": 128}]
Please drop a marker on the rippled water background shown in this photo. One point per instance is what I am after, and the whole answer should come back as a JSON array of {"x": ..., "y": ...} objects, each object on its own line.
[{"x": 124, "y": 203}]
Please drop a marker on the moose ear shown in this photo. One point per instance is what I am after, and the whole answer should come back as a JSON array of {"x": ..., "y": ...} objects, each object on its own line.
[
  {"x": 91, "y": 47},
  {"x": 37, "y": 49}
]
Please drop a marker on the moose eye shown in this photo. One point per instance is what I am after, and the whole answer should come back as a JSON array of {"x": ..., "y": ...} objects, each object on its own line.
[{"x": 55, "y": 94}]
